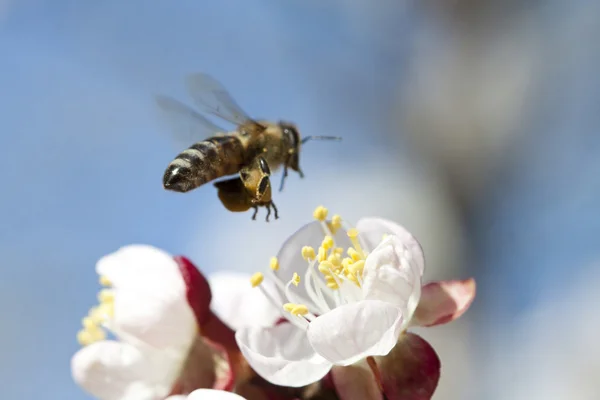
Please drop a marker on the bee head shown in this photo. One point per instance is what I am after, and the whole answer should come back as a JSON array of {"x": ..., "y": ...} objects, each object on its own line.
[{"x": 290, "y": 133}]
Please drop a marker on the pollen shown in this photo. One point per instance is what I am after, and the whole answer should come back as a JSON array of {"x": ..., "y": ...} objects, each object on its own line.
[
  {"x": 336, "y": 223},
  {"x": 84, "y": 337},
  {"x": 106, "y": 296},
  {"x": 256, "y": 279},
  {"x": 357, "y": 268},
  {"x": 296, "y": 309},
  {"x": 296, "y": 279},
  {"x": 322, "y": 256},
  {"x": 274, "y": 264},
  {"x": 327, "y": 242},
  {"x": 320, "y": 213},
  {"x": 325, "y": 267},
  {"x": 104, "y": 281},
  {"x": 308, "y": 253}
]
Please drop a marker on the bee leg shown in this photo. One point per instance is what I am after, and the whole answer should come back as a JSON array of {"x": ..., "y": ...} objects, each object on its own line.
[
  {"x": 268, "y": 212},
  {"x": 255, "y": 212},
  {"x": 275, "y": 209},
  {"x": 300, "y": 173},
  {"x": 285, "y": 174}
]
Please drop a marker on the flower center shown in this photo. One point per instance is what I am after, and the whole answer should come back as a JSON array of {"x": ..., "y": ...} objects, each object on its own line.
[
  {"x": 94, "y": 324},
  {"x": 330, "y": 279}
]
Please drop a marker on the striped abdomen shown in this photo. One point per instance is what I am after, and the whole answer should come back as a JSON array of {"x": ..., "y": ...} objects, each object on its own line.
[{"x": 204, "y": 161}]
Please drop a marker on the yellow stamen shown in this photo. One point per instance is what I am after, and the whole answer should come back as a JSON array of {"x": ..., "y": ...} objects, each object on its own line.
[
  {"x": 106, "y": 310},
  {"x": 333, "y": 285},
  {"x": 88, "y": 323},
  {"x": 322, "y": 256},
  {"x": 84, "y": 337},
  {"x": 104, "y": 281},
  {"x": 296, "y": 309},
  {"x": 274, "y": 264},
  {"x": 296, "y": 279},
  {"x": 355, "y": 255},
  {"x": 357, "y": 268},
  {"x": 327, "y": 242},
  {"x": 299, "y": 309},
  {"x": 256, "y": 279},
  {"x": 289, "y": 307},
  {"x": 335, "y": 259},
  {"x": 106, "y": 296},
  {"x": 353, "y": 235},
  {"x": 320, "y": 213},
  {"x": 308, "y": 253},
  {"x": 326, "y": 267},
  {"x": 336, "y": 223}
]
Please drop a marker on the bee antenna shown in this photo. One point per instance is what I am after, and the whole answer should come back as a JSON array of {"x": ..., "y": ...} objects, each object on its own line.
[{"x": 306, "y": 139}]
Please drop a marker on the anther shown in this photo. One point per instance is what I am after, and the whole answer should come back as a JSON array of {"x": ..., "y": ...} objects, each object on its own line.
[
  {"x": 84, "y": 337},
  {"x": 296, "y": 279},
  {"x": 355, "y": 255},
  {"x": 327, "y": 242},
  {"x": 274, "y": 264},
  {"x": 352, "y": 233},
  {"x": 320, "y": 213},
  {"x": 104, "y": 281},
  {"x": 308, "y": 253},
  {"x": 326, "y": 267},
  {"x": 322, "y": 256},
  {"x": 289, "y": 307},
  {"x": 256, "y": 279},
  {"x": 88, "y": 323},
  {"x": 336, "y": 223},
  {"x": 106, "y": 296},
  {"x": 299, "y": 309}
]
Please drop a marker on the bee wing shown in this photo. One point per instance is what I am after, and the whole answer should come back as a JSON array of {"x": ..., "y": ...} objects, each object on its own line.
[
  {"x": 212, "y": 96},
  {"x": 187, "y": 125}
]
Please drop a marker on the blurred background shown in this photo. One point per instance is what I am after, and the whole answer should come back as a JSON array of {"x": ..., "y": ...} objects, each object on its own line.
[{"x": 472, "y": 123}]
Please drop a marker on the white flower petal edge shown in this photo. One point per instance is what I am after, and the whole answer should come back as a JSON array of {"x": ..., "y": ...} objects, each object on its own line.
[
  {"x": 238, "y": 304},
  {"x": 129, "y": 263},
  {"x": 355, "y": 331},
  {"x": 389, "y": 276},
  {"x": 111, "y": 370},
  {"x": 372, "y": 230},
  {"x": 150, "y": 297},
  {"x": 211, "y": 394},
  {"x": 282, "y": 355}
]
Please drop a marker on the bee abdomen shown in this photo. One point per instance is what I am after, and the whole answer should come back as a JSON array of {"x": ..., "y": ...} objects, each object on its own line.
[{"x": 202, "y": 162}]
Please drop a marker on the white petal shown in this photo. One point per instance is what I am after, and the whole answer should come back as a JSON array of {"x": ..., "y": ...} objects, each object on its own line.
[
  {"x": 156, "y": 313},
  {"x": 210, "y": 394},
  {"x": 282, "y": 355},
  {"x": 290, "y": 257},
  {"x": 177, "y": 397},
  {"x": 130, "y": 263},
  {"x": 389, "y": 277},
  {"x": 238, "y": 304},
  {"x": 355, "y": 331},
  {"x": 371, "y": 231},
  {"x": 150, "y": 297},
  {"x": 112, "y": 370}
]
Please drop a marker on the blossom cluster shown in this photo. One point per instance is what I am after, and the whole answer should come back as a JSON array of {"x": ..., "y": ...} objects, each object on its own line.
[{"x": 329, "y": 318}]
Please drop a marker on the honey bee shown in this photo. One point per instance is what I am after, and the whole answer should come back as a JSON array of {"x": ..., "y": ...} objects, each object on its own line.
[{"x": 252, "y": 150}]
